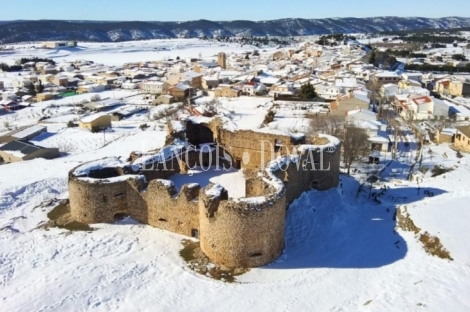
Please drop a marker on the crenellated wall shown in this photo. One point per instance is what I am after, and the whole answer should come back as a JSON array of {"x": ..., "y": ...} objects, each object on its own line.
[{"x": 173, "y": 211}]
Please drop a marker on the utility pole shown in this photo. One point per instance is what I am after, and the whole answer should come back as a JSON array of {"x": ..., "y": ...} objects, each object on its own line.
[{"x": 395, "y": 147}]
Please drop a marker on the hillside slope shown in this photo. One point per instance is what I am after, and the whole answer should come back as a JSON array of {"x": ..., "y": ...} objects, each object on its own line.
[{"x": 22, "y": 31}]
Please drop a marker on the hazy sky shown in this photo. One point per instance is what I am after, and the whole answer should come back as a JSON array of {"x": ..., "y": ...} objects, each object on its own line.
[{"x": 183, "y": 10}]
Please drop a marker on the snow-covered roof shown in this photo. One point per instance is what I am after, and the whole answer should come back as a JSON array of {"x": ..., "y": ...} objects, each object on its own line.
[
  {"x": 91, "y": 118},
  {"x": 29, "y": 131}
]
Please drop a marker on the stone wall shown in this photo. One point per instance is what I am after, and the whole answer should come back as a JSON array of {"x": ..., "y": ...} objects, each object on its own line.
[
  {"x": 246, "y": 232},
  {"x": 253, "y": 149},
  {"x": 242, "y": 233},
  {"x": 100, "y": 202},
  {"x": 168, "y": 210}
]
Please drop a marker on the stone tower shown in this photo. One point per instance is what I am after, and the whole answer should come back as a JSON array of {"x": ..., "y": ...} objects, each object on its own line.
[{"x": 222, "y": 60}]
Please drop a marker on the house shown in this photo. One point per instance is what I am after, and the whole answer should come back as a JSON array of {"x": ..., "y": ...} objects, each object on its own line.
[
  {"x": 164, "y": 99},
  {"x": 209, "y": 82},
  {"x": 252, "y": 88},
  {"x": 249, "y": 88},
  {"x": 453, "y": 87},
  {"x": 180, "y": 92},
  {"x": 58, "y": 44},
  {"x": 29, "y": 133},
  {"x": 49, "y": 69},
  {"x": 27, "y": 98},
  {"x": 103, "y": 105},
  {"x": 226, "y": 91},
  {"x": 102, "y": 80},
  {"x": 60, "y": 81},
  {"x": 125, "y": 112},
  {"x": 359, "y": 101},
  {"x": 153, "y": 87},
  {"x": 20, "y": 150},
  {"x": 445, "y": 135},
  {"x": 9, "y": 105},
  {"x": 423, "y": 107},
  {"x": 194, "y": 79},
  {"x": 360, "y": 115},
  {"x": 45, "y": 96},
  {"x": 90, "y": 88},
  {"x": 281, "y": 88},
  {"x": 386, "y": 77},
  {"x": 129, "y": 85},
  {"x": 328, "y": 92},
  {"x": 462, "y": 138},
  {"x": 95, "y": 122}
]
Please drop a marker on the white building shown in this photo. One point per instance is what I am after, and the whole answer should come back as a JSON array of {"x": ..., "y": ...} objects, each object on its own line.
[{"x": 153, "y": 87}]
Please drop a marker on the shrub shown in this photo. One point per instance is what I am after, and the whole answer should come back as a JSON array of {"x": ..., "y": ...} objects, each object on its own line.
[
  {"x": 438, "y": 170},
  {"x": 6, "y": 124},
  {"x": 269, "y": 117},
  {"x": 423, "y": 169},
  {"x": 143, "y": 127}
]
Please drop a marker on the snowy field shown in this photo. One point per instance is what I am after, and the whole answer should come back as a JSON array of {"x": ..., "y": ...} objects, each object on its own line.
[
  {"x": 342, "y": 253},
  {"x": 116, "y": 54}
]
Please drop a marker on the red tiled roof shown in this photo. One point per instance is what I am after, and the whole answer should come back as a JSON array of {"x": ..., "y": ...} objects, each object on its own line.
[{"x": 422, "y": 100}]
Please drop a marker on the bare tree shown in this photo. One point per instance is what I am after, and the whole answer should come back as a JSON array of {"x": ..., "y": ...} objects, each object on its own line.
[
  {"x": 332, "y": 125},
  {"x": 66, "y": 147},
  {"x": 355, "y": 146},
  {"x": 213, "y": 106},
  {"x": 95, "y": 98},
  {"x": 6, "y": 124}
]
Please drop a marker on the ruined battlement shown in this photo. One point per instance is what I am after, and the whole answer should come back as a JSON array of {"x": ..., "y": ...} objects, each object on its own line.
[{"x": 236, "y": 232}]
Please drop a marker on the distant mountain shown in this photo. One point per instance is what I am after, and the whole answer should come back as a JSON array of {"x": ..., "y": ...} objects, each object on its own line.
[{"x": 108, "y": 31}]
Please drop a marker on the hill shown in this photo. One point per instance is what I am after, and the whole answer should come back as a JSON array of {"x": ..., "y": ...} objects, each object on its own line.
[{"x": 108, "y": 31}]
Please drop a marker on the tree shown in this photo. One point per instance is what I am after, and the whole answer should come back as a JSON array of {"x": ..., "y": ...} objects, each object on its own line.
[
  {"x": 355, "y": 146},
  {"x": 307, "y": 92},
  {"x": 213, "y": 106},
  {"x": 39, "y": 87},
  {"x": 459, "y": 57},
  {"x": 177, "y": 58},
  {"x": 247, "y": 57},
  {"x": 95, "y": 97},
  {"x": 31, "y": 90},
  {"x": 430, "y": 153},
  {"x": 331, "y": 125},
  {"x": 372, "y": 57},
  {"x": 143, "y": 127}
]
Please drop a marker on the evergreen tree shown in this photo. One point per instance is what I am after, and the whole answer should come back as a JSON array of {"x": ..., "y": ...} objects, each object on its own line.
[
  {"x": 372, "y": 57},
  {"x": 307, "y": 92},
  {"x": 31, "y": 90},
  {"x": 39, "y": 87}
]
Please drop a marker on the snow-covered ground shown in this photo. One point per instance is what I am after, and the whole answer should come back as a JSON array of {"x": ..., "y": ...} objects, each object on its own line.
[
  {"x": 342, "y": 252},
  {"x": 116, "y": 54}
]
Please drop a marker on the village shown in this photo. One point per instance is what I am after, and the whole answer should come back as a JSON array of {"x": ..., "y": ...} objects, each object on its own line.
[
  {"x": 94, "y": 97},
  {"x": 78, "y": 134}
]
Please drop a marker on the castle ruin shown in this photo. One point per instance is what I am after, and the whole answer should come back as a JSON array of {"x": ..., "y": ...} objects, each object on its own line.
[{"x": 234, "y": 232}]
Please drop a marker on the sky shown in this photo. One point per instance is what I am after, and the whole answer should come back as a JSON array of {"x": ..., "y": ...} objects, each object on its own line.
[{"x": 184, "y": 10}]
